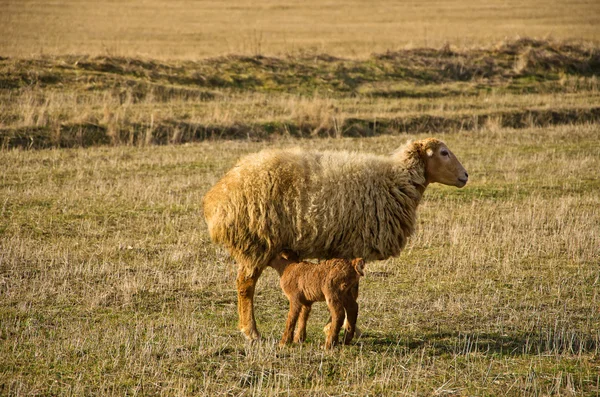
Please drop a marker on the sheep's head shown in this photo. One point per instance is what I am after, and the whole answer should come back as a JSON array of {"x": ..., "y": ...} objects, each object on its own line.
[{"x": 441, "y": 165}]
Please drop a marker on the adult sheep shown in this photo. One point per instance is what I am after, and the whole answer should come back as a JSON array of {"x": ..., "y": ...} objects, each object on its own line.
[{"x": 321, "y": 205}]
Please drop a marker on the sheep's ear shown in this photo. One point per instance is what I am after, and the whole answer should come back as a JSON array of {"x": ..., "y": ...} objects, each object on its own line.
[
  {"x": 359, "y": 265},
  {"x": 402, "y": 148}
]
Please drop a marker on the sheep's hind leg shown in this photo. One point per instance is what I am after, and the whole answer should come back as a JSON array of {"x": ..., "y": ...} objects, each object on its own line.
[{"x": 246, "y": 286}]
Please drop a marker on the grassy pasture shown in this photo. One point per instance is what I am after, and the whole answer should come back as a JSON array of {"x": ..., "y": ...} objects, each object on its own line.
[{"x": 109, "y": 283}]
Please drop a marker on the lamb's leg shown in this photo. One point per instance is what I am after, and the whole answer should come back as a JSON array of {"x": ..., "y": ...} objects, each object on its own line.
[
  {"x": 351, "y": 315},
  {"x": 300, "y": 335},
  {"x": 290, "y": 324},
  {"x": 354, "y": 292},
  {"x": 245, "y": 286},
  {"x": 336, "y": 309},
  {"x": 357, "y": 330}
]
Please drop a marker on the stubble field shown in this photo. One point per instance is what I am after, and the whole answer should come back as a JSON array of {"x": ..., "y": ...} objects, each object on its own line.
[
  {"x": 110, "y": 284},
  {"x": 111, "y": 133}
]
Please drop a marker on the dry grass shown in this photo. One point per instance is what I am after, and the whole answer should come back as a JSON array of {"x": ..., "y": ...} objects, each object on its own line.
[
  {"x": 80, "y": 100},
  {"x": 197, "y": 29},
  {"x": 109, "y": 284}
]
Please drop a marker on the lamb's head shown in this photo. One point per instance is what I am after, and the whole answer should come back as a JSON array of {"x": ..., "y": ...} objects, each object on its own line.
[
  {"x": 283, "y": 259},
  {"x": 439, "y": 163}
]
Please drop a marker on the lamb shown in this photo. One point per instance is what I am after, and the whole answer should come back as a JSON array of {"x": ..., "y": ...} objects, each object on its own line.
[
  {"x": 304, "y": 283},
  {"x": 321, "y": 205}
]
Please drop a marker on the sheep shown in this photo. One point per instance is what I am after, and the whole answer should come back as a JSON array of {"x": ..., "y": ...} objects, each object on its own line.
[
  {"x": 332, "y": 281},
  {"x": 321, "y": 205}
]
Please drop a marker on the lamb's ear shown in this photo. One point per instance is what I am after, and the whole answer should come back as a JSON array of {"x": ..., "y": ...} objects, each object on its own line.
[
  {"x": 289, "y": 255},
  {"x": 359, "y": 265}
]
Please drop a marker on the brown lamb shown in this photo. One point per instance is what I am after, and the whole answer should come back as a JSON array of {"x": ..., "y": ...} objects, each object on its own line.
[{"x": 334, "y": 281}]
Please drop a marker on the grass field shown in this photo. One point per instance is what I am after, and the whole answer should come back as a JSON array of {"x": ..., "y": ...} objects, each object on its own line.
[
  {"x": 117, "y": 117},
  {"x": 110, "y": 284}
]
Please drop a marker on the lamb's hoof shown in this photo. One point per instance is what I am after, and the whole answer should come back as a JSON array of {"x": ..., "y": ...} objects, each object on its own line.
[
  {"x": 357, "y": 331},
  {"x": 284, "y": 344}
]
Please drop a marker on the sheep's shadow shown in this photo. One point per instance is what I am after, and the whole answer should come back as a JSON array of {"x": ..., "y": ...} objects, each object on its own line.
[{"x": 458, "y": 343}]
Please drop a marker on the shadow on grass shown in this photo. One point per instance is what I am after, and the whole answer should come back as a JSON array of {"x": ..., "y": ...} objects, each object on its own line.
[
  {"x": 170, "y": 131},
  {"x": 395, "y": 94},
  {"x": 548, "y": 341}
]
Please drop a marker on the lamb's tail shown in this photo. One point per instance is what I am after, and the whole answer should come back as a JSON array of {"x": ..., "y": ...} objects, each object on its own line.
[{"x": 359, "y": 265}]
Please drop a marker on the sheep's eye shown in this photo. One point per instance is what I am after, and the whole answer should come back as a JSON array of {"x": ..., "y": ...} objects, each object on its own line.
[{"x": 445, "y": 153}]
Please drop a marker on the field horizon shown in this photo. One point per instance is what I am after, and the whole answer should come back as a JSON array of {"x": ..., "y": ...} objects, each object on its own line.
[{"x": 194, "y": 30}]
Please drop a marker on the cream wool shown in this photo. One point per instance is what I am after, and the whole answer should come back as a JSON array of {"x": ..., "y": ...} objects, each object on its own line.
[{"x": 318, "y": 204}]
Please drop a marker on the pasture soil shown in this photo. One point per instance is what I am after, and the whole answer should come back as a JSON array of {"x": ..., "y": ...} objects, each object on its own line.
[{"x": 109, "y": 284}]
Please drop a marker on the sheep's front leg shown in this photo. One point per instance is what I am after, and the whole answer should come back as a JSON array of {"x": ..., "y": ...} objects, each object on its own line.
[
  {"x": 246, "y": 286},
  {"x": 336, "y": 308},
  {"x": 300, "y": 335}
]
